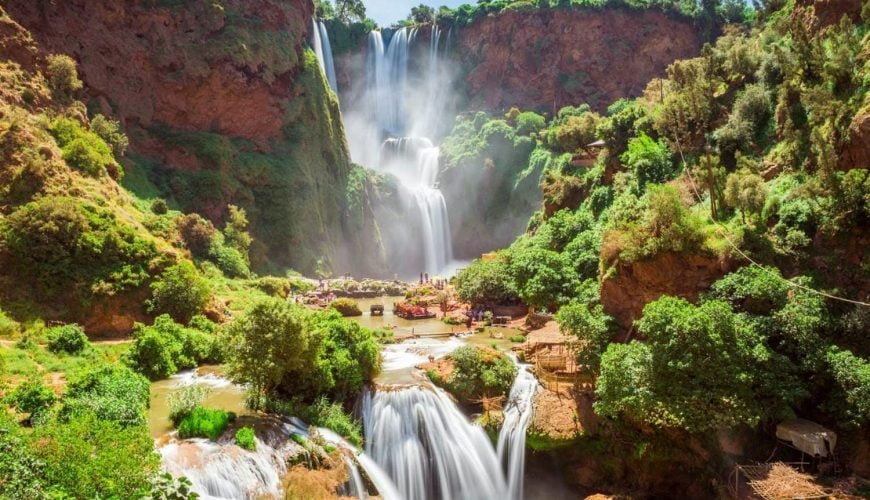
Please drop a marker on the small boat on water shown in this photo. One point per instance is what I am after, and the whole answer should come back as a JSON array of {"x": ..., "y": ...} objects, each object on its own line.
[{"x": 412, "y": 312}]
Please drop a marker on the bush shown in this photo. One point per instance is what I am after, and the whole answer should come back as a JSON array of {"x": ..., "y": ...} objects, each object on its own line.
[
  {"x": 650, "y": 161},
  {"x": 8, "y": 326},
  {"x": 517, "y": 338},
  {"x": 245, "y": 438},
  {"x": 196, "y": 233},
  {"x": 485, "y": 282},
  {"x": 575, "y": 133},
  {"x": 93, "y": 458},
  {"x": 70, "y": 339},
  {"x": 479, "y": 373},
  {"x": 32, "y": 397},
  {"x": 183, "y": 402},
  {"x": 159, "y": 206},
  {"x": 590, "y": 326},
  {"x": 530, "y": 122},
  {"x": 204, "y": 423},
  {"x": 228, "y": 259},
  {"x": 110, "y": 393},
  {"x": 752, "y": 289},
  {"x": 180, "y": 292},
  {"x": 62, "y": 76},
  {"x": 84, "y": 150},
  {"x": 346, "y": 307},
  {"x": 110, "y": 132},
  {"x": 164, "y": 348}
]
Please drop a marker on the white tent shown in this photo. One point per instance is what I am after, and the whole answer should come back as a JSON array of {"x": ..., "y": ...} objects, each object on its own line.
[{"x": 808, "y": 437}]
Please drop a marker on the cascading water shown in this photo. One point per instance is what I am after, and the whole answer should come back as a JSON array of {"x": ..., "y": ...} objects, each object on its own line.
[
  {"x": 428, "y": 447},
  {"x": 323, "y": 50},
  {"x": 398, "y": 111},
  {"x": 512, "y": 438}
]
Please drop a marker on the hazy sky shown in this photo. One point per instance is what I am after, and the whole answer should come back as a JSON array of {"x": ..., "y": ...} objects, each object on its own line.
[{"x": 386, "y": 12}]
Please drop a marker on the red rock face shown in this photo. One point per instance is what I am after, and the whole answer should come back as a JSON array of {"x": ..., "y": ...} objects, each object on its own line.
[
  {"x": 553, "y": 58},
  {"x": 856, "y": 153},
  {"x": 177, "y": 66},
  {"x": 638, "y": 283}
]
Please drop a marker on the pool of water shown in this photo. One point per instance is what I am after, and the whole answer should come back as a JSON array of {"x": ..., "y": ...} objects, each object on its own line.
[{"x": 223, "y": 395}]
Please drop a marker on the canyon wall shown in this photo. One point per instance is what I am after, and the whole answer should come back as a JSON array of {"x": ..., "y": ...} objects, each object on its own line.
[
  {"x": 222, "y": 104},
  {"x": 550, "y": 58}
]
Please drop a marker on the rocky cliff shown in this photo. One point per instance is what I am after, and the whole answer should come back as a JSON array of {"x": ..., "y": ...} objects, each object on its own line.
[
  {"x": 548, "y": 59},
  {"x": 223, "y": 104}
]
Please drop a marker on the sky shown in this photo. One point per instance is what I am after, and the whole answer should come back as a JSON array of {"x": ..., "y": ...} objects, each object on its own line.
[{"x": 386, "y": 12}]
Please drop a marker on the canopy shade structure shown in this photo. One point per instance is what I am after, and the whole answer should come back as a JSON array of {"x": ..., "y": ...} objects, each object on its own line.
[{"x": 808, "y": 437}]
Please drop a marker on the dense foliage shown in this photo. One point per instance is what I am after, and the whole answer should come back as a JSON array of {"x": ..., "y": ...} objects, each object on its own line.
[
  {"x": 478, "y": 373},
  {"x": 181, "y": 292},
  {"x": 278, "y": 347},
  {"x": 166, "y": 347},
  {"x": 70, "y": 339}
]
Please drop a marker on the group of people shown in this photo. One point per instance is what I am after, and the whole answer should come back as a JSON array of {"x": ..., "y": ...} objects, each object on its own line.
[{"x": 439, "y": 284}]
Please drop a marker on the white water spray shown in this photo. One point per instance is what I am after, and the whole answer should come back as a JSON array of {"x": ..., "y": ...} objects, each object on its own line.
[
  {"x": 323, "y": 50},
  {"x": 512, "y": 438}
]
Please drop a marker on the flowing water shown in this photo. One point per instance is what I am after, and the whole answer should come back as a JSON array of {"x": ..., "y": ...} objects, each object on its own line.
[
  {"x": 323, "y": 50},
  {"x": 512, "y": 438},
  {"x": 400, "y": 107}
]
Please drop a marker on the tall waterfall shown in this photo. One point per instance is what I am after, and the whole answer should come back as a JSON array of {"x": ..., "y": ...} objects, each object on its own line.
[
  {"x": 428, "y": 447},
  {"x": 400, "y": 106},
  {"x": 323, "y": 50},
  {"x": 512, "y": 438}
]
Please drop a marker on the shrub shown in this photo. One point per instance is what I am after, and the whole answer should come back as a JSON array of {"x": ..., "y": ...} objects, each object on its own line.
[
  {"x": 245, "y": 438},
  {"x": 530, "y": 122},
  {"x": 205, "y": 423},
  {"x": 183, "y": 402},
  {"x": 228, "y": 259},
  {"x": 851, "y": 375},
  {"x": 110, "y": 131},
  {"x": 93, "y": 458},
  {"x": 479, "y": 373},
  {"x": 8, "y": 326},
  {"x": 485, "y": 282},
  {"x": 275, "y": 287},
  {"x": 164, "y": 348},
  {"x": 753, "y": 289},
  {"x": 180, "y": 292},
  {"x": 346, "y": 307},
  {"x": 746, "y": 192},
  {"x": 649, "y": 160},
  {"x": 62, "y": 76},
  {"x": 590, "y": 326},
  {"x": 84, "y": 150},
  {"x": 110, "y": 393},
  {"x": 575, "y": 133},
  {"x": 70, "y": 339},
  {"x": 159, "y": 206},
  {"x": 517, "y": 338},
  {"x": 196, "y": 233},
  {"x": 32, "y": 397}
]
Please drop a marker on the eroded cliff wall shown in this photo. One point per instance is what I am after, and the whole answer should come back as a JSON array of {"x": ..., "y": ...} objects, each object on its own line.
[{"x": 223, "y": 104}]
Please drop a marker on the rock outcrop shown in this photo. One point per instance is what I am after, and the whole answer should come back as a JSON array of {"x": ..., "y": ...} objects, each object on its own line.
[
  {"x": 549, "y": 58},
  {"x": 223, "y": 104},
  {"x": 632, "y": 285}
]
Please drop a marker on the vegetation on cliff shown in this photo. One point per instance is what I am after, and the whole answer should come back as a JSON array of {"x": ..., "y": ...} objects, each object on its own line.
[{"x": 736, "y": 153}]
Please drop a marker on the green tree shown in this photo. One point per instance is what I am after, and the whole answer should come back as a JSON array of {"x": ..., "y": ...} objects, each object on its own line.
[
  {"x": 236, "y": 231},
  {"x": 485, "y": 282},
  {"x": 32, "y": 397},
  {"x": 650, "y": 161},
  {"x": 349, "y": 11},
  {"x": 180, "y": 292},
  {"x": 422, "y": 14},
  {"x": 63, "y": 78},
  {"x": 110, "y": 131},
  {"x": 266, "y": 343},
  {"x": 197, "y": 234},
  {"x": 542, "y": 278},
  {"x": 746, "y": 192},
  {"x": 480, "y": 373},
  {"x": 702, "y": 367},
  {"x": 576, "y": 132},
  {"x": 592, "y": 329},
  {"x": 530, "y": 122},
  {"x": 851, "y": 375},
  {"x": 110, "y": 393}
]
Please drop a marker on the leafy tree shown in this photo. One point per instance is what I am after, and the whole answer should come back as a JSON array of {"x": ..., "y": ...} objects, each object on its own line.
[
  {"x": 702, "y": 367},
  {"x": 236, "y": 231},
  {"x": 746, "y": 192},
  {"x": 110, "y": 131},
  {"x": 480, "y": 373},
  {"x": 542, "y": 278},
  {"x": 576, "y": 132},
  {"x": 530, "y": 122},
  {"x": 197, "y": 233},
  {"x": 110, "y": 393},
  {"x": 422, "y": 14},
  {"x": 590, "y": 326},
  {"x": 649, "y": 160},
  {"x": 752, "y": 289},
  {"x": 851, "y": 375},
  {"x": 485, "y": 282},
  {"x": 349, "y": 11},
  {"x": 346, "y": 307},
  {"x": 62, "y": 76},
  {"x": 180, "y": 292},
  {"x": 164, "y": 348},
  {"x": 266, "y": 343},
  {"x": 70, "y": 339}
]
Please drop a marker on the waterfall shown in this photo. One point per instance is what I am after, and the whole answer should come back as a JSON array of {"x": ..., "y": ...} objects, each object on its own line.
[
  {"x": 323, "y": 50},
  {"x": 512, "y": 438},
  {"x": 225, "y": 470},
  {"x": 428, "y": 447}
]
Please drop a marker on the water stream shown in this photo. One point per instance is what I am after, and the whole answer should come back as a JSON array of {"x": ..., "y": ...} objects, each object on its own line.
[{"x": 323, "y": 50}]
